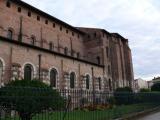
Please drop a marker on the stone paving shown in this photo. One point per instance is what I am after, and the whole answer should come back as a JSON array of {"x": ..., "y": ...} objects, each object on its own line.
[{"x": 154, "y": 116}]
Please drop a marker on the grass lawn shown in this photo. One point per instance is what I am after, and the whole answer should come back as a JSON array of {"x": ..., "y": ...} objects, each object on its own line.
[{"x": 93, "y": 115}]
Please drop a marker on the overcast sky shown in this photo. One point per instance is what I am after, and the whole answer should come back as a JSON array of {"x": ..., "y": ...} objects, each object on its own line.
[{"x": 137, "y": 20}]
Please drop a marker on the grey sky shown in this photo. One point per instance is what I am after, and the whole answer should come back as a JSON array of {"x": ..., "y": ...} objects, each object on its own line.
[{"x": 137, "y": 20}]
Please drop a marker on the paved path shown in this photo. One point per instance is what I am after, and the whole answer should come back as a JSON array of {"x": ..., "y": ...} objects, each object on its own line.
[{"x": 154, "y": 116}]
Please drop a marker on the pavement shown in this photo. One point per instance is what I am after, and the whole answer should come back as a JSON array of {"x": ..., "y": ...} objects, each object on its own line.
[{"x": 154, "y": 116}]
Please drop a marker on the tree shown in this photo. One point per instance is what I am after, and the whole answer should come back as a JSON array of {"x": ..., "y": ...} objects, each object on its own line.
[
  {"x": 29, "y": 97},
  {"x": 155, "y": 87}
]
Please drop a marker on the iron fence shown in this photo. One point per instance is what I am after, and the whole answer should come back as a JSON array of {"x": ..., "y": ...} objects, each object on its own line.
[{"x": 72, "y": 104}]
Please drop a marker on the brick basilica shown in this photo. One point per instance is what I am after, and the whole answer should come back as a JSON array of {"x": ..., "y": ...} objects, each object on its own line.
[{"x": 34, "y": 44}]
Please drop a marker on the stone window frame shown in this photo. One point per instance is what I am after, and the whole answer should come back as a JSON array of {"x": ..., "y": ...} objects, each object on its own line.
[
  {"x": 10, "y": 33},
  {"x": 75, "y": 79},
  {"x": 67, "y": 31},
  {"x": 107, "y": 51},
  {"x": 8, "y": 4},
  {"x": 46, "y": 22},
  {"x": 98, "y": 60},
  {"x": 19, "y": 9},
  {"x": 60, "y": 28},
  {"x": 33, "y": 39},
  {"x": 99, "y": 83},
  {"x": 72, "y": 33},
  {"x": 109, "y": 70},
  {"x": 31, "y": 70},
  {"x": 51, "y": 46},
  {"x": 34, "y": 69},
  {"x": 54, "y": 25},
  {"x": 38, "y": 18},
  {"x": 95, "y": 34},
  {"x": 88, "y": 85},
  {"x": 57, "y": 78},
  {"x": 66, "y": 50},
  {"x": 29, "y": 14},
  {"x": 78, "y": 54}
]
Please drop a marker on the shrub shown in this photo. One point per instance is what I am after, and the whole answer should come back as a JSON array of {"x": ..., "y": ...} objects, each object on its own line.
[
  {"x": 155, "y": 87},
  {"x": 29, "y": 97},
  {"x": 124, "y": 89},
  {"x": 144, "y": 90},
  {"x": 111, "y": 100},
  {"x": 124, "y": 96}
]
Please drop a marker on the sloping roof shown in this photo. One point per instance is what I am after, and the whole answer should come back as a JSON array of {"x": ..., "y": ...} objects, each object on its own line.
[
  {"x": 98, "y": 29},
  {"x": 25, "y": 5},
  {"x": 118, "y": 35}
]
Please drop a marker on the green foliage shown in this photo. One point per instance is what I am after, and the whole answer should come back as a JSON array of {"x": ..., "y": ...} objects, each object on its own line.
[
  {"x": 111, "y": 100},
  {"x": 124, "y": 96},
  {"x": 124, "y": 89},
  {"x": 155, "y": 87},
  {"x": 30, "y": 97},
  {"x": 144, "y": 90}
]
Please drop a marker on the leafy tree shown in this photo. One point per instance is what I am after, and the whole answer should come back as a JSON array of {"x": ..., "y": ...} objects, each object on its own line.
[
  {"x": 30, "y": 97},
  {"x": 155, "y": 87}
]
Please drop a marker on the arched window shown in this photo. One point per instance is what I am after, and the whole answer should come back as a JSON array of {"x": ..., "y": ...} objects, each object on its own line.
[
  {"x": 53, "y": 77},
  {"x": 28, "y": 72},
  {"x": 99, "y": 83},
  {"x": 78, "y": 55},
  {"x": 109, "y": 70},
  {"x": 33, "y": 40},
  {"x": 10, "y": 34},
  {"x": 98, "y": 60},
  {"x": 8, "y": 4},
  {"x": 66, "y": 51},
  {"x": 87, "y": 81},
  {"x": 72, "y": 80},
  {"x": 107, "y": 52},
  {"x": 1, "y": 70},
  {"x": 110, "y": 85}
]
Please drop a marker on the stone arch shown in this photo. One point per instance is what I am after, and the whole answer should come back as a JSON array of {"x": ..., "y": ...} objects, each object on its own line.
[
  {"x": 73, "y": 79},
  {"x": 31, "y": 70},
  {"x": 53, "y": 77},
  {"x": 110, "y": 84},
  {"x": 99, "y": 83},
  {"x": 28, "y": 72},
  {"x": 88, "y": 81}
]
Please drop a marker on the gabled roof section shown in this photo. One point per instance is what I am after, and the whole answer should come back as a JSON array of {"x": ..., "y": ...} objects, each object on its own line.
[
  {"x": 118, "y": 35},
  {"x": 96, "y": 29},
  {"x": 25, "y": 5}
]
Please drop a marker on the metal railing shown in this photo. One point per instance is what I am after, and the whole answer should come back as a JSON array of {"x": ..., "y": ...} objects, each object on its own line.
[{"x": 72, "y": 105}]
